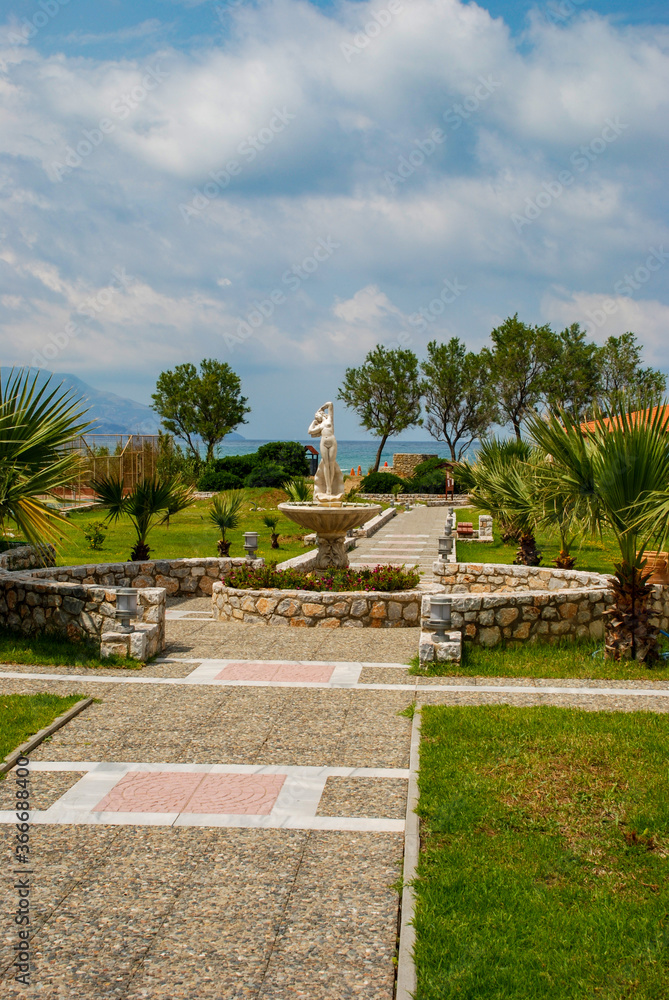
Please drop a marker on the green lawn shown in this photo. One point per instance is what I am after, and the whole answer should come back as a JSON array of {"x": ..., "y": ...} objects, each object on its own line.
[
  {"x": 51, "y": 650},
  {"x": 543, "y": 869},
  {"x": 563, "y": 659},
  {"x": 23, "y": 715},
  {"x": 189, "y": 534},
  {"x": 592, "y": 556}
]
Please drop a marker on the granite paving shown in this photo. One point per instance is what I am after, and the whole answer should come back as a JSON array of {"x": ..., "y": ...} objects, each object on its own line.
[{"x": 167, "y": 894}]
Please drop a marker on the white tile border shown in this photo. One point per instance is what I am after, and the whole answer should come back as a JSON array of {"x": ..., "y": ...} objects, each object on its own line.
[
  {"x": 472, "y": 687},
  {"x": 406, "y": 968},
  {"x": 294, "y": 809}
]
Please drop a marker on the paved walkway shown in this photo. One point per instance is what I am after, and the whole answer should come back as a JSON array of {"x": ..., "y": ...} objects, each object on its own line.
[
  {"x": 411, "y": 538},
  {"x": 231, "y": 826}
]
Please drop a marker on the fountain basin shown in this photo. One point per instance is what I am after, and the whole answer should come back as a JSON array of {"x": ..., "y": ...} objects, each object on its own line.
[
  {"x": 330, "y": 521},
  {"x": 330, "y": 524}
]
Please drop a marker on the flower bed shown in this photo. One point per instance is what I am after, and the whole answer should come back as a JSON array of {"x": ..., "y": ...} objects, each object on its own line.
[{"x": 382, "y": 578}]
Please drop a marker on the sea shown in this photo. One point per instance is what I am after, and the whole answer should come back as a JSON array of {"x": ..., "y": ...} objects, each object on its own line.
[{"x": 350, "y": 454}]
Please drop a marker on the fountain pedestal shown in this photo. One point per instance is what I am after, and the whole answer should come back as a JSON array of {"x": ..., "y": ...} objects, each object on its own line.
[{"x": 330, "y": 524}]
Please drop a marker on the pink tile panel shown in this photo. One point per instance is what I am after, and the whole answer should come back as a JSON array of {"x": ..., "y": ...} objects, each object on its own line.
[
  {"x": 190, "y": 792},
  {"x": 268, "y": 671}
]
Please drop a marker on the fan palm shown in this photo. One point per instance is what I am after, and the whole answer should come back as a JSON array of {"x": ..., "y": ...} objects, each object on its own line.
[
  {"x": 151, "y": 501},
  {"x": 298, "y": 490},
  {"x": 36, "y": 427},
  {"x": 613, "y": 473},
  {"x": 271, "y": 521},
  {"x": 503, "y": 482},
  {"x": 224, "y": 513}
]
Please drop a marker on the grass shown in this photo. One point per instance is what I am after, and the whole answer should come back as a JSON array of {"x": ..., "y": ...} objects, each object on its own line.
[
  {"x": 543, "y": 870},
  {"x": 188, "y": 535},
  {"x": 23, "y": 715},
  {"x": 52, "y": 650},
  {"x": 592, "y": 555},
  {"x": 563, "y": 659}
]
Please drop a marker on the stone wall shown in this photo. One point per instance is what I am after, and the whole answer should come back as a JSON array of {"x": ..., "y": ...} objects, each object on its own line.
[
  {"x": 497, "y": 603},
  {"x": 306, "y": 608},
  {"x": 33, "y": 605},
  {"x": 26, "y": 557},
  {"x": 404, "y": 465},
  {"x": 478, "y": 578},
  {"x": 179, "y": 577},
  {"x": 431, "y": 499}
]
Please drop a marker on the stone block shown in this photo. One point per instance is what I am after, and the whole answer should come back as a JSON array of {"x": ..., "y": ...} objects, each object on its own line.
[
  {"x": 522, "y": 631},
  {"x": 568, "y": 611},
  {"x": 289, "y": 608},
  {"x": 72, "y": 605},
  {"x": 411, "y": 612},
  {"x": 266, "y": 605},
  {"x": 313, "y": 610},
  {"x": 489, "y": 636},
  {"x": 359, "y": 608},
  {"x": 378, "y": 610},
  {"x": 505, "y": 617},
  {"x": 168, "y": 583},
  {"x": 205, "y": 584}
]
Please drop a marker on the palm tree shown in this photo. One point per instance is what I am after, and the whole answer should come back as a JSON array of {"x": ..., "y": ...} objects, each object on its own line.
[
  {"x": 503, "y": 482},
  {"x": 37, "y": 428},
  {"x": 613, "y": 473},
  {"x": 224, "y": 513},
  {"x": 151, "y": 501},
  {"x": 271, "y": 521},
  {"x": 298, "y": 490}
]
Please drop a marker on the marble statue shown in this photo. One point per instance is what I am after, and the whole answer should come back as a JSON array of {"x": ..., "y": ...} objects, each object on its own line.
[{"x": 329, "y": 481}]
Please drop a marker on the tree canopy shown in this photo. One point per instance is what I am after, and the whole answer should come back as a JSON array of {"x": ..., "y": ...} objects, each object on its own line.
[
  {"x": 385, "y": 392},
  {"x": 460, "y": 402},
  {"x": 207, "y": 405}
]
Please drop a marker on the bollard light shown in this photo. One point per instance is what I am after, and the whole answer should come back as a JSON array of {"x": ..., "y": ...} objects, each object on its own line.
[
  {"x": 439, "y": 621},
  {"x": 445, "y": 547},
  {"x": 250, "y": 543},
  {"x": 126, "y": 606}
]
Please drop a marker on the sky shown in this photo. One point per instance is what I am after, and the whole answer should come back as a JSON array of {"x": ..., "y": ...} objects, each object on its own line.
[{"x": 283, "y": 185}]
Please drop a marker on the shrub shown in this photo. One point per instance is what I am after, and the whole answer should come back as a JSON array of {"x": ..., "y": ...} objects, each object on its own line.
[
  {"x": 238, "y": 465},
  {"x": 213, "y": 480},
  {"x": 430, "y": 477},
  {"x": 381, "y": 482},
  {"x": 289, "y": 454},
  {"x": 266, "y": 474},
  {"x": 381, "y": 578},
  {"x": 94, "y": 533}
]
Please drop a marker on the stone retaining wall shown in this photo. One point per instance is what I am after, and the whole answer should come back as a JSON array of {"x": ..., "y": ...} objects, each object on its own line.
[
  {"x": 27, "y": 557},
  {"x": 30, "y": 606},
  {"x": 179, "y": 577},
  {"x": 478, "y": 578},
  {"x": 431, "y": 499},
  {"x": 306, "y": 608},
  {"x": 496, "y": 603}
]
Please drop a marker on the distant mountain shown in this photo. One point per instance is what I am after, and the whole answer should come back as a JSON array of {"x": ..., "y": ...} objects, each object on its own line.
[{"x": 112, "y": 414}]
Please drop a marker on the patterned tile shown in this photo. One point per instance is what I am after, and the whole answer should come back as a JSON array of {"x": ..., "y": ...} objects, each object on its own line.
[
  {"x": 156, "y": 792},
  {"x": 268, "y": 671},
  {"x": 236, "y": 794},
  {"x": 150, "y": 792}
]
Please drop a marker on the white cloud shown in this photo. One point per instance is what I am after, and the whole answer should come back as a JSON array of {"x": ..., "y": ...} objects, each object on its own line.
[{"x": 512, "y": 118}]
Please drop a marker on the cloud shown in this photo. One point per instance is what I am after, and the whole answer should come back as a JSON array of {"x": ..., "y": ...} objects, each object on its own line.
[{"x": 222, "y": 171}]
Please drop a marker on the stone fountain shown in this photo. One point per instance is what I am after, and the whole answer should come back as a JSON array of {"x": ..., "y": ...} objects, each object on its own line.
[{"x": 327, "y": 514}]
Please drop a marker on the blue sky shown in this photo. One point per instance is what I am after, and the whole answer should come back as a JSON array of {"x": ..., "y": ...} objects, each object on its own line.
[{"x": 283, "y": 185}]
